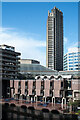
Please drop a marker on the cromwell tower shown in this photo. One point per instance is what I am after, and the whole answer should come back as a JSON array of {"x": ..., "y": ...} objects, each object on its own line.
[{"x": 54, "y": 50}]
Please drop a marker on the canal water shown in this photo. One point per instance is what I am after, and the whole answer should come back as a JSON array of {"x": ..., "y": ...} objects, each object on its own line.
[{"x": 18, "y": 113}]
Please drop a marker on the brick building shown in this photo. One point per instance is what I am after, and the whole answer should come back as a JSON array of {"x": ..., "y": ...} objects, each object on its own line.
[{"x": 55, "y": 89}]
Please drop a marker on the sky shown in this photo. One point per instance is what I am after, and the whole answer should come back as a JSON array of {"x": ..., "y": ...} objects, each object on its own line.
[{"x": 24, "y": 27}]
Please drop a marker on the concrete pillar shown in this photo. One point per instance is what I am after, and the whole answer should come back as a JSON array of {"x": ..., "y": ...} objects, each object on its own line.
[
  {"x": 45, "y": 99},
  {"x": 52, "y": 99},
  {"x": 62, "y": 102},
  {"x": 31, "y": 99},
  {"x": 34, "y": 98},
  {"x": 73, "y": 96},
  {"x": 65, "y": 102}
]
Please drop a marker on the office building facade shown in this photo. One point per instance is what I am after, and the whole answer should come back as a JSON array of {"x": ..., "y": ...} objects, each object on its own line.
[
  {"x": 9, "y": 66},
  {"x": 72, "y": 59},
  {"x": 54, "y": 50}
]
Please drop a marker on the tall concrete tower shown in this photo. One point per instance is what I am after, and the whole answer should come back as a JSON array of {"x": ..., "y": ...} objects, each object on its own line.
[{"x": 54, "y": 49}]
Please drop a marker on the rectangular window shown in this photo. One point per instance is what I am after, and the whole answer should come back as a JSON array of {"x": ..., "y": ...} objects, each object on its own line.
[
  {"x": 70, "y": 65},
  {"x": 70, "y": 56},
  {"x": 70, "y": 62},
  {"x": 70, "y": 59}
]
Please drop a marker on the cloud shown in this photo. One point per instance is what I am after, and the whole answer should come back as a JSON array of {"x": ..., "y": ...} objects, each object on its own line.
[
  {"x": 74, "y": 44},
  {"x": 65, "y": 40},
  {"x": 29, "y": 47}
]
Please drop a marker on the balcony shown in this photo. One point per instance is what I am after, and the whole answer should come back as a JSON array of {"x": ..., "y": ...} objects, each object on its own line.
[
  {"x": 11, "y": 61},
  {"x": 10, "y": 56},
  {"x": 9, "y": 69}
]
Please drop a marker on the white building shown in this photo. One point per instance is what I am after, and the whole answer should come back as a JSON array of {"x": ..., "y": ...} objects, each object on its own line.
[{"x": 72, "y": 59}]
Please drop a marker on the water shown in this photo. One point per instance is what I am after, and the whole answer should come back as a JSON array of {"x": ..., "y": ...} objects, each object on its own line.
[{"x": 18, "y": 113}]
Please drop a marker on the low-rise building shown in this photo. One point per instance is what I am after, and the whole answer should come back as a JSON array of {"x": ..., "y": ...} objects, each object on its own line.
[
  {"x": 28, "y": 61},
  {"x": 33, "y": 67},
  {"x": 55, "y": 89}
]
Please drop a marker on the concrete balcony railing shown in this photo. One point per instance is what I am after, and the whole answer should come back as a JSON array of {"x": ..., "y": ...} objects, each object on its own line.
[
  {"x": 12, "y": 61},
  {"x": 10, "y": 65},
  {"x": 6, "y": 69},
  {"x": 10, "y": 56}
]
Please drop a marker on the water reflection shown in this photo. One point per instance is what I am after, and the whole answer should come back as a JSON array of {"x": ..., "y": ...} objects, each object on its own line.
[{"x": 21, "y": 113}]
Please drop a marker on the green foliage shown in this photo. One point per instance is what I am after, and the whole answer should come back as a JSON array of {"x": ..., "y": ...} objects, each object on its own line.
[
  {"x": 75, "y": 103},
  {"x": 78, "y": 111}
]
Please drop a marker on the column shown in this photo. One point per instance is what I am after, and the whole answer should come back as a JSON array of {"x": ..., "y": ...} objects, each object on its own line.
[
  {"x": 45, "y": 99},
  {"x": 52, "y": 99},
  {"x": 34, "y": 98},
  {"x": 73, "y": 96},
  {"x": 62, "y": 102},
  {"x": 65, "y": 102}
]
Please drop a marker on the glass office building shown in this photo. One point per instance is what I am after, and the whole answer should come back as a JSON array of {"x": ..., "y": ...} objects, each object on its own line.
[{"x": 72, "y": 59}]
